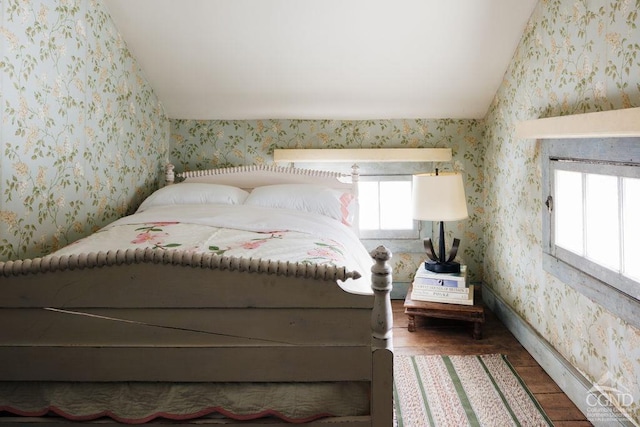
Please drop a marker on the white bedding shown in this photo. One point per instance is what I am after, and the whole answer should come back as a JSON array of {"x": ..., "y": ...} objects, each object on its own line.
[{"x": 238, "y": 231}]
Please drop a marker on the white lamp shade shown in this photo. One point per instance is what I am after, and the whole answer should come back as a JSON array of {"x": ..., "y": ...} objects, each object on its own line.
[{"x": 439, "y": 197}]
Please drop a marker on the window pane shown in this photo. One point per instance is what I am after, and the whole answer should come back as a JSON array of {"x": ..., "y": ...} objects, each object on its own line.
[
  {"x": 602, "y": 220},
  {"x": 369, "y": 218},
  {"x": 568, "y": 211},
  {"x": 395, "y": 212},
  {"x": 385, "y": 208},
  {"x": 631, "y": 188}
]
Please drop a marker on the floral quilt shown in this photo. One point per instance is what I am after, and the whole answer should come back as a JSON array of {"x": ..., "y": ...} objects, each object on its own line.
[
  {"x": 236, "y": 231},
  {"x": 291, "y": 246}
]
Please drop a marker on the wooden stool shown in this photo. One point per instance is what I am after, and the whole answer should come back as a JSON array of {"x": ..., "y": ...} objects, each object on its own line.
[{"x": 470, "y": 313}]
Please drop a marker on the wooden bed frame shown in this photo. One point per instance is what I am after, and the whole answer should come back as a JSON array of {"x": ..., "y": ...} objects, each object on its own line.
[{"x": 154, "y": 315}]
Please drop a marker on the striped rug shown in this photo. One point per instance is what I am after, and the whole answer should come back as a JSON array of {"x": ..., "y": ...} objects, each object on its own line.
[{"x": 460, "y": 391}]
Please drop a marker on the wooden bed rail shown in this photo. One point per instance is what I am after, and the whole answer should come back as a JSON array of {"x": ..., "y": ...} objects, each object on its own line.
[{"x": 82, "y": 261}]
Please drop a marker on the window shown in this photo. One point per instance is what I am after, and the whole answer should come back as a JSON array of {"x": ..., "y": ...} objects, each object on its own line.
[
  {"x": 592, "y": 226},
  {"x": 385, "y": 207}
]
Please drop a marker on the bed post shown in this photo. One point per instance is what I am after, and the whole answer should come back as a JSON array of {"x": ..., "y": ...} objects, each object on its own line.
[
  {"x": 381, "y": 283},
  {"x": 355, "y": 179},
  {"x": 381, "y": 340},
  {"x": 169, "y": 175}
]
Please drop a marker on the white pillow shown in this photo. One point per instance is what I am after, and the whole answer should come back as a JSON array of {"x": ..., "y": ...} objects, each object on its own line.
[
  {"x": 319, "y": 199},
  {"x": 194, "y": 193}
]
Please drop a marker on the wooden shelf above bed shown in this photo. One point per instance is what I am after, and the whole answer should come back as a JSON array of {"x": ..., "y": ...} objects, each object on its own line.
[{"x": 359, "y": 155}]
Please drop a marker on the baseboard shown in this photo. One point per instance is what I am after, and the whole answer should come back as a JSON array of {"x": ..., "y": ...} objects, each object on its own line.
[
  {"x": 569, "y": 379},
  {"x": 399, "y": 290}
]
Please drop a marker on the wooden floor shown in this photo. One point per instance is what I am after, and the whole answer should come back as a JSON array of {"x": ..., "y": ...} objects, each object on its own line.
[{"x": 451, "y": 337}]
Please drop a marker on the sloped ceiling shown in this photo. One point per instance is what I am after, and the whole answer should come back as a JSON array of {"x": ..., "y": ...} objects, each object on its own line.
[{"x": 323, "y": 59}]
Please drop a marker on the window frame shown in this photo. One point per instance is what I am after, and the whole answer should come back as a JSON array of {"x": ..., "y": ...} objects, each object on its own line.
[
  {"x": 608, "y": 288},
  {"x": 397, "y": 234}
]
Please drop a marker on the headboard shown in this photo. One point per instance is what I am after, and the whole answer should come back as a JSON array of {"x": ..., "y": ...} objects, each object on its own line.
[{"x": 249, "y": 177}]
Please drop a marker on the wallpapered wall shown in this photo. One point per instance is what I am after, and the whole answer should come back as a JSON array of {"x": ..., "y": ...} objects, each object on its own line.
[
  {"x": 83, "y": 135},
  {"x": 574, "y": 57},
  {"x": 208, "y": 144}
]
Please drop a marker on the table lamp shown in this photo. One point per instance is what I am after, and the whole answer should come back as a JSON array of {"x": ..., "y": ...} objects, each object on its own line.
[{"x": 439, "y": 197}]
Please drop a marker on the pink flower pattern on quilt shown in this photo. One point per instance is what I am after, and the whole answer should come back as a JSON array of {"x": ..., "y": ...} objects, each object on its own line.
[
  {"x": 292, "y": 246},
  {"x": 325, "y": 251},
  {"x": 256, "y": 243},
  {"x": 154, "y": 236}
]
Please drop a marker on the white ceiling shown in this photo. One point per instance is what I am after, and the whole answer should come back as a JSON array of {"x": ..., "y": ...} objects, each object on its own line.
[{"x": 323, "y": 59}]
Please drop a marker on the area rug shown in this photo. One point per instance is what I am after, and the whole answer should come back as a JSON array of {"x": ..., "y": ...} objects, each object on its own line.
[{"x": 457, "y": 391}]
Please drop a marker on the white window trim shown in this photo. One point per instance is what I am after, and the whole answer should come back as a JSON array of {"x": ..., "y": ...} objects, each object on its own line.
[{"x": 604, "y": 287}]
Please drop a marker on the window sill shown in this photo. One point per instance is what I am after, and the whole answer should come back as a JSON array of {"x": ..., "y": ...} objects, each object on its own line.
[{"x": 622, "y": 305}]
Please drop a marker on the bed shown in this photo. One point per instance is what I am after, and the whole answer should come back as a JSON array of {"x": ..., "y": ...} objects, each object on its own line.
[{"x": 237, "y": 295}]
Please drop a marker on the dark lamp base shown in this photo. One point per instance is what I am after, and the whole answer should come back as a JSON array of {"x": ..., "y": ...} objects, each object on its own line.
[{"x": 442, "y": 267}]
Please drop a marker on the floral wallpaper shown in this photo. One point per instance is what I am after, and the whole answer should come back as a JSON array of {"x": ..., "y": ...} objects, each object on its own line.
[
  {"x": 208, "y": 144},
  {"x": 83, "y": 135},
  {"x": 574, "y": 57}
]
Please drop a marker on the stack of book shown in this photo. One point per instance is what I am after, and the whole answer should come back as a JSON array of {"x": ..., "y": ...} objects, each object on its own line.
[{"x": 442, "y": 287}]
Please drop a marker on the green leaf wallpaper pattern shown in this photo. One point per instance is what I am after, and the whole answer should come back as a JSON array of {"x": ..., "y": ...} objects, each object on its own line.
[{"x": 83, "y": 135}]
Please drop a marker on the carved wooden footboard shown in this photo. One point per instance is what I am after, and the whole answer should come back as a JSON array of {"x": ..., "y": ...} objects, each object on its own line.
[{"x": 154, "y": 315}]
